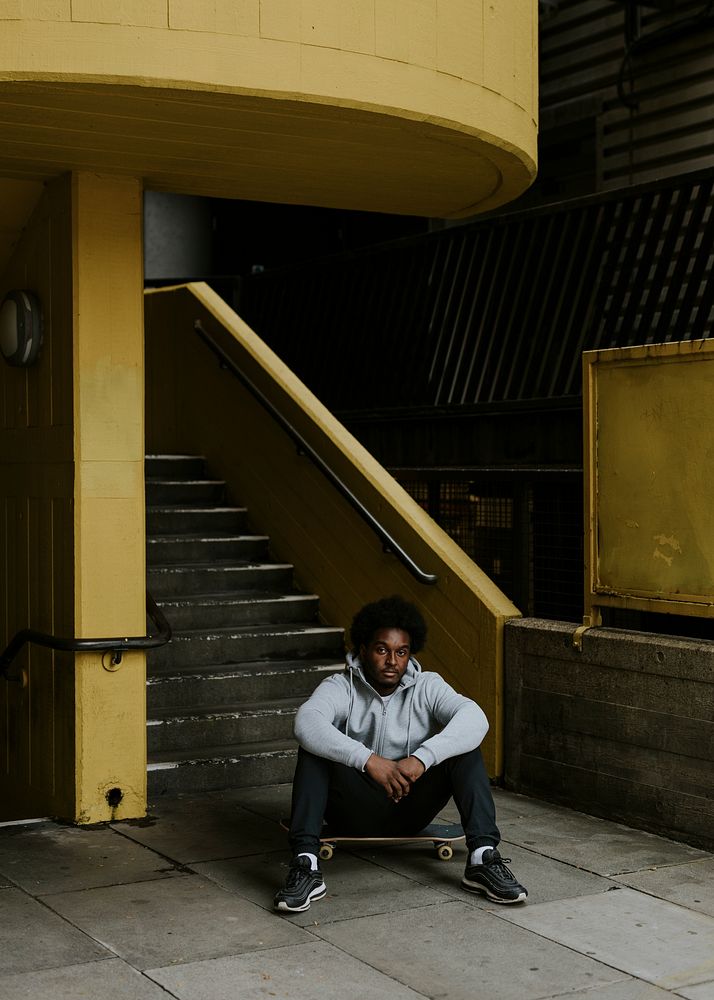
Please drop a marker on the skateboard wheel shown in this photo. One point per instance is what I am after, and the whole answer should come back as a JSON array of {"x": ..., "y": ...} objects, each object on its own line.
[
  {"x": 445, "y": 851},
  {"x": 326, "y": 851}
]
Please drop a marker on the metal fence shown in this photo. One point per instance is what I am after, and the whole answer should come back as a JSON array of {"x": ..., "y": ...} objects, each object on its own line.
[{"x": 523, "y": 527}]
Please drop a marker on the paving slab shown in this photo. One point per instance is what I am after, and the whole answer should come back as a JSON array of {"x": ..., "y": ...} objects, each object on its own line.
[
  {"x": 704, "y": 991},
  {"x": 596, "y": 845},
  {"x": 626, "y": 989},
  {"x": 651, "y": 939},
  {"x": 691, "y": 885},
  {"x": 544, "y": 878},
  {"x": 202, "y": 828},
  {"x": 152, "y": 924},
  {"x": 271, "y": 801},
  {"x": 455, "y": 952},
  {"x": 53, "y": 858},
  {"x": 355, "y": 887},
  {"x": 110, "y": 978},
  {"x": 315, "y": 971},
  {"x": 32, "y": 937}
]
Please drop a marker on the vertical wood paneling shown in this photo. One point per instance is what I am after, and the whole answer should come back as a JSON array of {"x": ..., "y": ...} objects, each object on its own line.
[{"x": 37, "y": 535}]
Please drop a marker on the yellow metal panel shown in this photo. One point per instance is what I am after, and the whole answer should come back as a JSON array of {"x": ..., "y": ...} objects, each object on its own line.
[
  {"x": 335, "y": 553},
  {"x": 649, "y": 416}
]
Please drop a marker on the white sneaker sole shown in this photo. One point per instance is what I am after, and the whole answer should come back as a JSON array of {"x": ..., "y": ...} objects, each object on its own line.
[
  {"x": 477, "y": 887},
  {"x": 317, "y": 893}
]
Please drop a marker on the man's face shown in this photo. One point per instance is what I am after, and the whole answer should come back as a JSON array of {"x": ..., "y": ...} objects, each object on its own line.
[{"x": 385, "y": 659}]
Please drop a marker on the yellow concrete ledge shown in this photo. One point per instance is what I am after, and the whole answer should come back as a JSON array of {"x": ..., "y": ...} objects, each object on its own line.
[{"x": 426, "y": 108}]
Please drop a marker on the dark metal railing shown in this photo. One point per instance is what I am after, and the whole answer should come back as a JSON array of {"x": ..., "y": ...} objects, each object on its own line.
[
  {"x": 115, "y": 645},
  {"x": 388, "y": 542}
]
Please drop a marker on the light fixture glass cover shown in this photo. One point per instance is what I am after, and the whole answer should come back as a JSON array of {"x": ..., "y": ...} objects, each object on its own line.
[{"x": 21, "y": 328}]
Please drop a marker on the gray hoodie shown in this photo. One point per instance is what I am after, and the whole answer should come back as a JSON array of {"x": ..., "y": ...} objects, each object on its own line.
[{"x": 346, "y": 720}]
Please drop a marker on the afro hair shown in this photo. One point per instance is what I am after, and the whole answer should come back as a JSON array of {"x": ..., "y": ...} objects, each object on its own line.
[{"x": 388, "y": 612}]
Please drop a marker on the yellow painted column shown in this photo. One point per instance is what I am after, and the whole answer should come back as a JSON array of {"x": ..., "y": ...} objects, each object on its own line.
[{"x": 109, "y": 516}]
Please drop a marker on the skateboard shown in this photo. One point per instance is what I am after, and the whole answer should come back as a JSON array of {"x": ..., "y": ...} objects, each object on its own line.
[{"x": 441, "y": 835}]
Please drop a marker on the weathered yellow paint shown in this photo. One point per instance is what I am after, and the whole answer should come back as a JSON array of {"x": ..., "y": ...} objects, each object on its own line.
[
  {"x": 72, "y": 507},
  {"x": 425, "y": 108},
  {"x": 36, "y": 526},
  {"x": 18, "y": 199},
  {"x": 194, "y": 406},
  {"x": 648, "y": 417},
  {"x": 109, "y": 555}
]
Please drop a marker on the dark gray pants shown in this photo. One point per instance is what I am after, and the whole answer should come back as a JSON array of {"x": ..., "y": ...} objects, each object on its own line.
[{"x": 352, "y": 804}]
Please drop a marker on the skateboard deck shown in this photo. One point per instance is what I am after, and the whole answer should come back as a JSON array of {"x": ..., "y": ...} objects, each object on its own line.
[{"x": 441, "y": 835}]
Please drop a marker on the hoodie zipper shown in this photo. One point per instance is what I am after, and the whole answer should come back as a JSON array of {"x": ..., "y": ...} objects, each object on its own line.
[{"x": 382, "y": 729}]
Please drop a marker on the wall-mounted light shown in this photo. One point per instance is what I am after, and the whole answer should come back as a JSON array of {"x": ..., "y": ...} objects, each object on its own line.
[{"x": 21, "y": 328}]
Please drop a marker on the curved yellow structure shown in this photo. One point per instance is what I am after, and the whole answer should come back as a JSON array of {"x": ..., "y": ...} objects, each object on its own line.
[
  {"x": 424, "y": 107},
  {"x": 406, "y": 106}
]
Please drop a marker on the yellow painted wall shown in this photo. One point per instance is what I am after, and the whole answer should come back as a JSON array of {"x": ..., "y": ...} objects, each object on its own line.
[
  {"x": 424, "y": 106},
  {"x": 37, "y": 528},
  {"x": 109, "y": 514},
  {"x": 193, "y": 406},
  {"x": 72, "y": 532}
]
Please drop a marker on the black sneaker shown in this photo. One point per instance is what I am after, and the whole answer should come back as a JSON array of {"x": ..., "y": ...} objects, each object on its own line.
[
  {"x": 493, "y": 878},
  {"x": 302, "y": 887}
]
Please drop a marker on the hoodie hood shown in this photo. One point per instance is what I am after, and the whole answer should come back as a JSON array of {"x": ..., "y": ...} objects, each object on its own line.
[{"x": 354, "y": 666}]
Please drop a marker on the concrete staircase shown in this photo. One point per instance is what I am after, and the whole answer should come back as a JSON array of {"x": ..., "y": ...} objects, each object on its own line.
[{"x": 247, "y": 648}]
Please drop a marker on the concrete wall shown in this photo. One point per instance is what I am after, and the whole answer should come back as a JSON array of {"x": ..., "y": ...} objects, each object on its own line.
[
  {"x": 622, "y": 729},
  {"x": 425, "y": 107}
]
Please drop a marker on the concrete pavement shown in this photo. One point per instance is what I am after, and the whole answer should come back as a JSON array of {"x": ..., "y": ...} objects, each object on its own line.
[{"x": 180, "y": 906}]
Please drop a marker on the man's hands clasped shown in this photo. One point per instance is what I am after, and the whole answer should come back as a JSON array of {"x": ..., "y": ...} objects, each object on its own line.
[{"x": 395, "y": 776}]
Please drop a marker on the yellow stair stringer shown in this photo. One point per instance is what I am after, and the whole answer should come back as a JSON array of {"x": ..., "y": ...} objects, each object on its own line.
[{"x": 194, "y": 406}]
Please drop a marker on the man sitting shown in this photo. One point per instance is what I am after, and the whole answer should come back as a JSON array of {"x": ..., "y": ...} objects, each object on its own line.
[{"x": 383, "y": 746}]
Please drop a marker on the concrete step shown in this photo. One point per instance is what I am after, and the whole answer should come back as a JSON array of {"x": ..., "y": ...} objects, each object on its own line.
[
  {"x": 174, "y": 520},
  {"x": 175, "y": 466},
  {"x": 164, "y": 550},
  {"x": 195, "y": 492},
  {"x": 214, "y": 768},
  {"x": 232, "y": 684},
  {"x": 224, "y": 725},
  {"x": 200, "y": 647},
  {"x": 216, "y": 578},
  {"x": 254, "y": 608}
]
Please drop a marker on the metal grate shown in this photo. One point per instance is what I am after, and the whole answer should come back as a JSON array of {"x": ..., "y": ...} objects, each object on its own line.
[{"x": 525, "y": 532}]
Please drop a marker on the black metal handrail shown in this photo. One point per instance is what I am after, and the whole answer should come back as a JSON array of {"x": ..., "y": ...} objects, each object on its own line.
[
  {"x": 115, "y": 645},
  {"x": 389, "y": 544}
]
